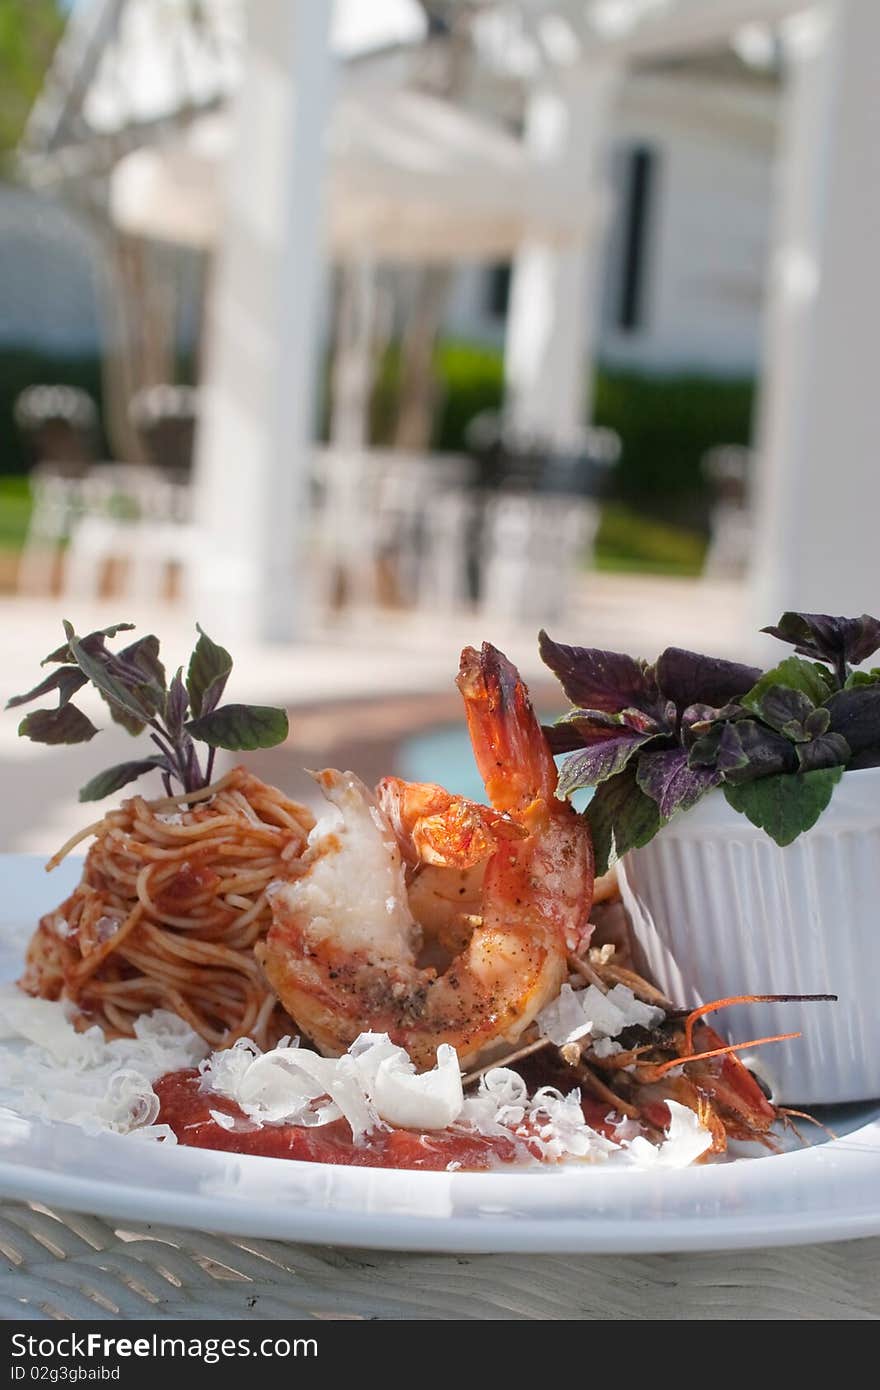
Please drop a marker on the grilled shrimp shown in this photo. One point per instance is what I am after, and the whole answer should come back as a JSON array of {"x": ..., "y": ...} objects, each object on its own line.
[{"x": 430, "y": 917}]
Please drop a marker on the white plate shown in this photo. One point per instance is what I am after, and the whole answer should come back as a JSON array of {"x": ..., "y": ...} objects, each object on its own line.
[{"x": 830, "y": 1192}]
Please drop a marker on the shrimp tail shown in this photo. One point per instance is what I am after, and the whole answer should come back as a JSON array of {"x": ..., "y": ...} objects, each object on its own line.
[{"x": 511, "y": 752}]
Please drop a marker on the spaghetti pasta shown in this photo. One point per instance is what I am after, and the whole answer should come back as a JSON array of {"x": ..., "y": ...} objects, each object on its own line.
[{"x": 171, "y": 901}]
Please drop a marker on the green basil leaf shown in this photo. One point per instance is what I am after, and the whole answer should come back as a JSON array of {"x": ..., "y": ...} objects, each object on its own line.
[
  {"x": 818, "y": 722},
  {"x": 64, "y": 725},
  {"x": 238, "y": 727},
  {"x": 857, "y": 678},
  {"x": 785, "y": 805},
  {"x": 209, "y": 669},
  {"x": 786, "y": 710},
  {"x": 621, "y": 817},
  {"x": 106, "y": 783},
  {"x": 809, "y": 677}
]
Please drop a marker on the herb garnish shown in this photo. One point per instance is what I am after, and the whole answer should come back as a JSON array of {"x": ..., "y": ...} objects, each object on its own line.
[
  {"x": 133, "y": 684},
  {"x": 654, "y": 738}
]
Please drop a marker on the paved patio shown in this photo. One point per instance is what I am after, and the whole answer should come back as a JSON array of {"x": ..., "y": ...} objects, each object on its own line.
[{"x": 397, "y": 669}]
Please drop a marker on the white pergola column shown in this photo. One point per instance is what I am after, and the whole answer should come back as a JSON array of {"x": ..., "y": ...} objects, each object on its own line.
[
  {"x": 817, "y": 498},
  {"x": 552, "y": 315},
  {"x": 255, "y": 443},
  {"x": 354, "y": 358},
  {"x": 345, "y": 541}
]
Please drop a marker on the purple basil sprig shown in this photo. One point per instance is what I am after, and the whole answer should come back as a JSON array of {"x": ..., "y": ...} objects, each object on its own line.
[
  {"x": 652, "y": 739},
  {"x": 842, "y": 642},
  {"x": 133, "y": 684}
]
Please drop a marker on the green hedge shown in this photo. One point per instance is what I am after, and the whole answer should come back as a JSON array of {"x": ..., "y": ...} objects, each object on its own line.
[
  {"x": 470, "y": 379},
  {"x": 666, "y": 423}
]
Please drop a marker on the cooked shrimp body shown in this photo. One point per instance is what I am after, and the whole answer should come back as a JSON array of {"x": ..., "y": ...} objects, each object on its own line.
[
  {"x": 434, "y": 827},
  {"x": 549, "y": 874},
  {"x": 429, "y": 917}
]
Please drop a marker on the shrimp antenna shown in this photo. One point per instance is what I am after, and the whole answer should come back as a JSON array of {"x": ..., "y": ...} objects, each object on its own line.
[
  {"x": 731, "y": 999},
  {"x": 720, "y": 1052}
]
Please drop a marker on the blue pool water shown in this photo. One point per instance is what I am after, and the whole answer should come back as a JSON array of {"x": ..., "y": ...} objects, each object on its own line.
[{"x": 444, "y": 755}]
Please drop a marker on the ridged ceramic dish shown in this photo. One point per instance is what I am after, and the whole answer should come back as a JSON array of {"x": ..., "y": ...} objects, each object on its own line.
[{"x": 719, "y": 909}]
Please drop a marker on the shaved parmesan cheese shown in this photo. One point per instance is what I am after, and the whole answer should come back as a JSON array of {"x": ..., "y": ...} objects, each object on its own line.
[
  {"x": 575, "y": 1014},
  {"x": 51, "y": 1071},
  {"x": 60, "y": 925},
  {"x": 685, "y": 1142},
  {"x": 221, "y": 1118},
  {"x": 552, "y": 1124},
  {"x": 375, "y": 1084},
  {"x": 431, "y": 1100}
]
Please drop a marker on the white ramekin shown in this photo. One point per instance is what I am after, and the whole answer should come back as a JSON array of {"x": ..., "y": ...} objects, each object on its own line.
[{"x": 719, "y": 909}]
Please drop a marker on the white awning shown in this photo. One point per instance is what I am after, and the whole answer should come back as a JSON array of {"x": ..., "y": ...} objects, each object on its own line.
[{"x": 411, "y": 177}]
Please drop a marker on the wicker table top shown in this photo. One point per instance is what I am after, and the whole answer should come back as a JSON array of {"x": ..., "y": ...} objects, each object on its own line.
[{"x": 56, "y": 1264}]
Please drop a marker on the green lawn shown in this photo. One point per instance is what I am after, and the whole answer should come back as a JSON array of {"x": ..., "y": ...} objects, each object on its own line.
[
  {"x": 15, "y": 509},
  {"x": 629, "y": 541}
]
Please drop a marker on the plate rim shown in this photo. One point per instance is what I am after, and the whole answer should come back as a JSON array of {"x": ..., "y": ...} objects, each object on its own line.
[
  {"x": 671, "y": 1222},
  {"x": 670, "y": 1231}
]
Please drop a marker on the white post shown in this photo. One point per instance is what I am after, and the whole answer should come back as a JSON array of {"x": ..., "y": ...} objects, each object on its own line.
[
  {"x": 354, "y": 360},
  {"x": 552, "y": 315},
  {"x": 818, "y": 491},
  {"x": 347, "y": 532},
  {"x": 255, "y": 443}
]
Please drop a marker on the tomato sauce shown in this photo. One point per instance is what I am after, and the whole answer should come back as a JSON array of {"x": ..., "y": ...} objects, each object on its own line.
[
  {"x": 187, "y": 1110},
  {"x": 191, "y": 882}
]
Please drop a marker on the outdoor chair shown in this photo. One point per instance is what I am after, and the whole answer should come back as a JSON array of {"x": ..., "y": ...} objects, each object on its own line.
[
  {"x": 133, "y": 525},
  {"x": 538, "y": 512},
  {"x": 165, "y": 418},
  {"x": 58, "y": 427},
  {"x": 389, "y": 528},
  {"x": 532, "y": 548},
  {"x": 443, "y": 579},
  {"x": 343, "y": 540},
  {"x": 421, "y": 511},
  {"x": 56, "y": 506},
  {"x": 133, "y": 521},
  {"x": 510, "y": 458}
]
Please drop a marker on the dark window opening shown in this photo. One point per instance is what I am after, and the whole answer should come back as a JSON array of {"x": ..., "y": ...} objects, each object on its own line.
[
  {"x": 638, "y": 194},
  {"x": 498, "y": 290}
]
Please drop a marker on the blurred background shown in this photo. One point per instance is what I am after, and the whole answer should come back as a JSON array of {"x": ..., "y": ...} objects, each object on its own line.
[{"x": 362, "y": 329}]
